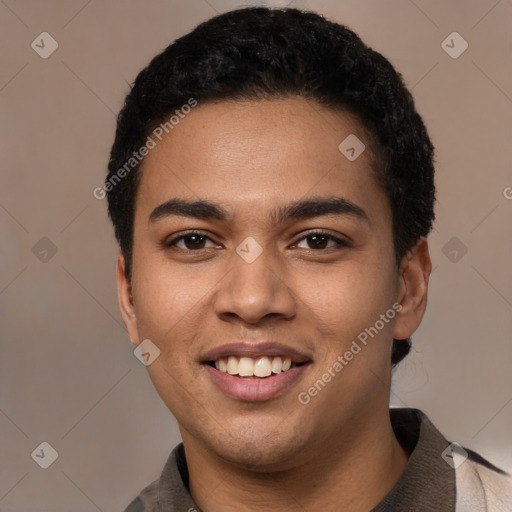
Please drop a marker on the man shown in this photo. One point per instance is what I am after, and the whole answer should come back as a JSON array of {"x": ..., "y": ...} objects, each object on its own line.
[{"x": 271, "y": 187}]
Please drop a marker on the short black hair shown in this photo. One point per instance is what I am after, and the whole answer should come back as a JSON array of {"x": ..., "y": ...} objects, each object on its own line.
[{"x": 264, "y": 53}]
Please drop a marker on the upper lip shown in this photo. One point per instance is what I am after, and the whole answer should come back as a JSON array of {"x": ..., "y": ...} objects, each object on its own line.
[{"x": 255, "y": 349}]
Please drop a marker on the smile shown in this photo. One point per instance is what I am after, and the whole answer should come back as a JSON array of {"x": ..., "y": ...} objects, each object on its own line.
[
  {"x": 255, "y": 372},
  {"x": 260, "y": 367}
]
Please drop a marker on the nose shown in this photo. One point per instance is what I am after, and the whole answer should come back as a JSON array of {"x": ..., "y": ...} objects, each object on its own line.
[{"x": 254, "y": 291}]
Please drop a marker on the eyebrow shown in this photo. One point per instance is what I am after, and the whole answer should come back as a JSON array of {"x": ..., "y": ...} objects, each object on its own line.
[{"x": 302, "y": 209}]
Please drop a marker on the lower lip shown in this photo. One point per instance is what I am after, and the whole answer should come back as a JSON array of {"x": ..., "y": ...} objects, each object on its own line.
[{"x": 255, "y": 389}]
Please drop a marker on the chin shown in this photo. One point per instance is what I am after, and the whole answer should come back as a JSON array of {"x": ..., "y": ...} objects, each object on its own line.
[
  {"x": 259, "y": 451},
  {"x": 252, "y": 457}
]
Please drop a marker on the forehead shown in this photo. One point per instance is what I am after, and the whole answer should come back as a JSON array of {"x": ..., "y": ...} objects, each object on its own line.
[{"x": 256, "y": 153}]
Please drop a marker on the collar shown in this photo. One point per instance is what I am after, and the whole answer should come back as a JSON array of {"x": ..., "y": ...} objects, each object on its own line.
[{"x": 427, "y": 483}]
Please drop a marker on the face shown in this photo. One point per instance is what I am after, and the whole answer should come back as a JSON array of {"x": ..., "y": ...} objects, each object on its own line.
[{"x": 259, "y": 245}]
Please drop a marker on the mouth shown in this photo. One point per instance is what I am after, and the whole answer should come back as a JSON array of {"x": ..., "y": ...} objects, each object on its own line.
[
  {"x": 254, "y": 367},
  {"x": 255, "y": 373}
]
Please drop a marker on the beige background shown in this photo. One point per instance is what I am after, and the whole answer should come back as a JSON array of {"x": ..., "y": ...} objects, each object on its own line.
[{"x": 68, "y": 375}]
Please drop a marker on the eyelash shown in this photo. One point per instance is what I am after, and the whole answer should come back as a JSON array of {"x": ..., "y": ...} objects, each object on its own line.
[{"x": 167, "y": 244}]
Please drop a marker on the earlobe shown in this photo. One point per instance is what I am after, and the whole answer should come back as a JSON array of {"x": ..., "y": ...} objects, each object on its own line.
[
  {"x": 125, "y": 299},
  {"x": 413, "y": 287}
]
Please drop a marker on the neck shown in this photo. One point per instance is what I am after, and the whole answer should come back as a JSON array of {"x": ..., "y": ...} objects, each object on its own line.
[{"x": 358, "y": 470}]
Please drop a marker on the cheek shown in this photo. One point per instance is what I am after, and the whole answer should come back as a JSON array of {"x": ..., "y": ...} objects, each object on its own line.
[
  {"x": 347, "y": 300},
  {"x": 171, "y": 311},
  {"x": 167, "y": 294}
]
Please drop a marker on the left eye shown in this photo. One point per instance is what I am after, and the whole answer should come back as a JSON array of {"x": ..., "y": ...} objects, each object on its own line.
[{"x": 319, "y": 241}]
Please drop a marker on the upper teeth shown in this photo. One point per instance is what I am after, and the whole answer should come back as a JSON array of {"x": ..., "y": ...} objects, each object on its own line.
[{"x": 249, "y": 367}]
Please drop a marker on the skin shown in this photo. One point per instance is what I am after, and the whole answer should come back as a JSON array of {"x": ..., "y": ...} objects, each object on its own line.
[{"x": 250, "y": 158}]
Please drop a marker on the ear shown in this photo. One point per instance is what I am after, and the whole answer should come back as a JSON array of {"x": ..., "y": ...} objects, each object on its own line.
[
  {"x": 125, "y": 299},
  {"x": 415, "y": 270}
]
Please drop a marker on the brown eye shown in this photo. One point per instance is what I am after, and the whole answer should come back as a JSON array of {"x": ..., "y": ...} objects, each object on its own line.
[
  {"x": 194, "y": 241},
  {"x": 189, "y": 242},
  {"x": 320, "y": 241}
]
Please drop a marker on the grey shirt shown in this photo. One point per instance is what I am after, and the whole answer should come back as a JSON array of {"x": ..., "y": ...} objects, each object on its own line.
[{"x": 427, "y": 484}]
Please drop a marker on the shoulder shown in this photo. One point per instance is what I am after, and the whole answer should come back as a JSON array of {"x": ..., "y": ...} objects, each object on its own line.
[
  {"x": 170, "y": 492},
  {"x": 459, "y": 478},
  {"x": 482, "y": 486},
  {"x": 146, "y": 501}
]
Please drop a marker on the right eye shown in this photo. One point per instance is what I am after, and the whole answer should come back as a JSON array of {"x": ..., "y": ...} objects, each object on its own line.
[{"x": 191, "y": 241}]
